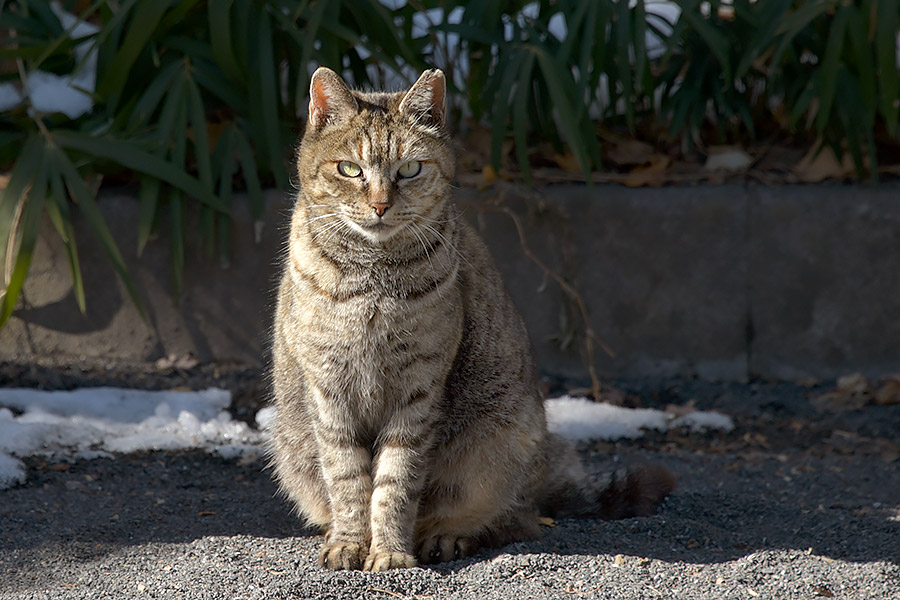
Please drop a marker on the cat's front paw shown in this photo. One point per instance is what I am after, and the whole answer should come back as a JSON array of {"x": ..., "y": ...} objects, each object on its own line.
[
  {"x": 382, "y": 560},
  {"x": 343, "y": 555}
]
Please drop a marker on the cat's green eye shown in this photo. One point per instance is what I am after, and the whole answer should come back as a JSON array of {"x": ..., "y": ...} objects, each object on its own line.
[
  {"x": 349, "y": 169},
  {"x": 410, "y": 169}
]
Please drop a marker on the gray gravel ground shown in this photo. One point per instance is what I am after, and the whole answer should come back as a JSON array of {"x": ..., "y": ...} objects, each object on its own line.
[{"x": 792, "y": 504}]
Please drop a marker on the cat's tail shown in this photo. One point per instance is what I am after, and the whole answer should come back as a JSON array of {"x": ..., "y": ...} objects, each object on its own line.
[{"x": 570, "y": 491}]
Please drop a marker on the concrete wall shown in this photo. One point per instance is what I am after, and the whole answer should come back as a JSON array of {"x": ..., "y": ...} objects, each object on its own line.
[{"x": 724, "y": 282}]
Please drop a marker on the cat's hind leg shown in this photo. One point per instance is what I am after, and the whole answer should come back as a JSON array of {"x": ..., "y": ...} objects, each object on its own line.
[{"x": 481, "y": 495}]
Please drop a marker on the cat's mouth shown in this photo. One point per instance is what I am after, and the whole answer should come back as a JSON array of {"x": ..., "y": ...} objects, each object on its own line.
[{"x": 375, "y": 229}]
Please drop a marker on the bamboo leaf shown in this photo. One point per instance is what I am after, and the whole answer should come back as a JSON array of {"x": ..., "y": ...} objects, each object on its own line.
[
  {"x": 886, "y": 31},
  {"x": 502, "y": 99},
  {"x": 211, "y": 79},
  {"x": 268, "y": 97},
  {"x": 862, "y": 53},
  {"x": 144, "y": 21},
  {"x": 26, "y": 230},
  {"x": 225, "y": 153},
  {"x": 175, "y": 99},
  {"x": 831, "y": 65},
  {"x": 564, "y": 110},
  {"x": 715, "y": 40},
  {"x": 176, "y": 239},
  {"x": 197, "y": 117},
  {"x": 149, "y": 200},
  {"x": 622, "y": 27},
  {"x": 129, "y": 155},
  {"x": 520, "y": 115},
  {"x": 22, "y": 175},
  {"x": 251, "y": 176},
  {"x": 88, "y": 207},
  {"x": 58, "y": 209},
  {"x": 154, "y": 92}
]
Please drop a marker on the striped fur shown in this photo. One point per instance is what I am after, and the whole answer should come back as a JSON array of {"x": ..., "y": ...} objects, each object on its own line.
[{"x": 409, "y": 424}]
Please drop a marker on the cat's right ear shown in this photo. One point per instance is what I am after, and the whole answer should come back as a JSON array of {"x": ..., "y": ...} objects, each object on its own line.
[{"x": 330, "y": 100}]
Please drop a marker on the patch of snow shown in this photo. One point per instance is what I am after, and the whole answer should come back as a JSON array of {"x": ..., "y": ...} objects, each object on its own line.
[
  {"x": 51, "y": 93},
  {"x": 93, "y": 422},
  {"x": 702, "y": 421},
  {"x": 10, "y": 96},
  {"x": 581, "y": 419},
  {"x": 98, "y": 422},
  {"x": 12, "y": 471},
  {"x": 69, "y": 94}
]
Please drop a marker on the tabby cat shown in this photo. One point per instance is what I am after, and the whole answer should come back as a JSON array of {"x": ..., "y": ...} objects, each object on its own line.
[{"x": 409, "y": 423}]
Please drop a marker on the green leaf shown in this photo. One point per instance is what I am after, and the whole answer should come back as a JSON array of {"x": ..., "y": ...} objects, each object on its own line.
[
  {"x": 176, "y": 239},
  {"x": 831, "y": 65},
  {"x": 23, "y": 174},
  {"x": 251, "y": 177},
  {"x": 715, "y": 40},
  {"x": 792, "y": 24},
  {"x": 564, "y": 110},
  {"x": 886, "y": 29},
  {"x": 152, "y": 95},
  {"x": 502, "y": 99},
  {"x": 225, "y": 157},
  {"x": 58, "y": 209},
  {"x": 143, "y": 23},
  {"x": 175, "y": 99},
  {"x": 26, "y": 230},
  {"x": 197, "y": 117},
  {"x": 210, "y": 78},
  {"x": 520, "y": 115},
  {"x": 88, "y": 207},
  {"x": 622, "y": 28},
  {"x": 129, "y": 155},
  {"x": 268, "y": 98},
  {"x": 862, "y": 53},
  {"x": 149, "y": 200}
]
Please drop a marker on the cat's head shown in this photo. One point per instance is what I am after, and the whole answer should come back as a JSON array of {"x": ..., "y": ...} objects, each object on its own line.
[{"x": 375, "y": 164}]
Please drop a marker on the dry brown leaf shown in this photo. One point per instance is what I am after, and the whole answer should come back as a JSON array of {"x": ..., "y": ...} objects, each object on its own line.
[
  {"x": 613, "y": 396},
  {"x": 852, "y": 393},
  {"x": 628, "y": 153},
  {"x": 814, "y": 168},
  {"x": 889, "y": 392},
  {"x": 679, "y": 410},
  {"x": 652, "y": 174},
  {"x": 823, "y": 591},
  {"x": 488, "y": 175},
  {"x": 568, "y": 162},
  {"x": 890, "y": 456},
  {"x": 173, "y": 361},
  {"x": 546, "y": 522}
]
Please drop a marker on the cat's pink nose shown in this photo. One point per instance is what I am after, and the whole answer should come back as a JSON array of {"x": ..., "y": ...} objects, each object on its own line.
[{"x": 380, "y": 207}]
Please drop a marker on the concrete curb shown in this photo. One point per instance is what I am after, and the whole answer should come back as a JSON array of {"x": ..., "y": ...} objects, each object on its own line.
[{"x": 723, "y": 282}]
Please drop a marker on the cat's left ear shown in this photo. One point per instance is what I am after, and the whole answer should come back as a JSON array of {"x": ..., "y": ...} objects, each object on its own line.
[
  {"x": 427, "y": 98},
  {"x": 330, "y": 100}
]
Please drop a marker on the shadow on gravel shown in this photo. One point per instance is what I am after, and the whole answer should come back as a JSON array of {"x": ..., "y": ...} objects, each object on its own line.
[
  {"x": 721, "y": 512},
  {"x": 161, "y": 497}
]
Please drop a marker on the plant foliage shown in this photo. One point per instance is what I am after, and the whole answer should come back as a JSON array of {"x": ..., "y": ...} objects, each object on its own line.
[{"x": 195, "y": 97}]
